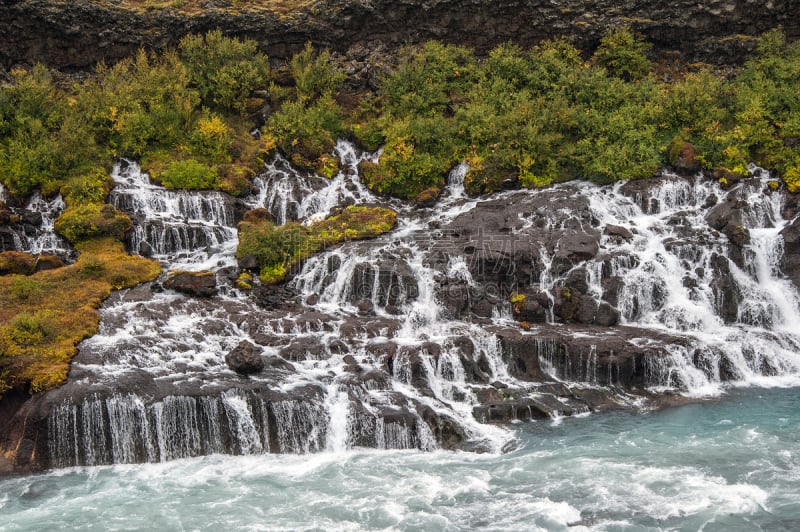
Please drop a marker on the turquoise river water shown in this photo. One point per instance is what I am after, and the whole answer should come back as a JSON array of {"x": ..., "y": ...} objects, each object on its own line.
[{"x": 727, "y": 464}]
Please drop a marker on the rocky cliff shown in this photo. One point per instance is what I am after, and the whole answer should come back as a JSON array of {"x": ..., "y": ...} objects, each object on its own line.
[{"x": 76, "y": 34}]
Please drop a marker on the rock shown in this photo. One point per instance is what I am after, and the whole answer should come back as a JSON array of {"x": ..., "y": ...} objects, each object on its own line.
[
  {"x": 611, "y": 289},
  {"x": 726, "y": 291},
  {"x": 684, "y": 157},
  {"x": 720, "y": 32},
  {"x": 428, "y": 197},
  {"x": 250, "y": 262},
  {"x": 396, "y": 282},
  {"x": 32, "y": 218},
  {"x": 791, "y": 253},
  {"x": 245, "y": 359},
  {"x": 588, "y": 309},
  {"x": 145, "y": 250},
  {"x": 365, "y": 307},
  {"x": 578, "y": 279},
  {"x": 48, "y": 262},
  {"x": 606, "y": 315},
  {"x": 619, "y": 231},
  {"x": 202, "y": 284}
]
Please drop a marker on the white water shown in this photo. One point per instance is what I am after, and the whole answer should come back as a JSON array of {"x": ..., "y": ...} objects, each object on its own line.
[
  {"x": 190, "y": 231},
  {"x": 181, "y": 342},
  {"x": 42, "y": 238},
  {"x": 732, "y": 465}
]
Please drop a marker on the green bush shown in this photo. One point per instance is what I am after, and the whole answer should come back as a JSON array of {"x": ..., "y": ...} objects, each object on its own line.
[
  {"x": 418, "y": 153},
  {"x": 146, "y": 101},
  {"x": 84, "y": 222},
  {"x": 277, "y": 249},
  {"x": 305, "y": 131},
  {"x": 624, "y": 54},
  {"x": 315, "y": 76},
  {"x": 188, "y": 174},
  {"x": 224, "y": 70},
  {"x": 430, "y": 81},
  {"x": 212, "y": 138}
]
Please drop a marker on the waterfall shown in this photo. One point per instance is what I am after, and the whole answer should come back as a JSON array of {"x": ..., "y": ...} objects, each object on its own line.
[
  {"x": 35, "y": 232},
  {"x": 190, "y": 231},
  {"x": 408, "y": 340}
]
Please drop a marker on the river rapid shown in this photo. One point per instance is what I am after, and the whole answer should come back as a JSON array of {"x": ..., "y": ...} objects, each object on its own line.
[{"x": 728, "y": 464}]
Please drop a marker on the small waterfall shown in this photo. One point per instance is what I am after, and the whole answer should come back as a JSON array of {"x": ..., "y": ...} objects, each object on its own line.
[
  {"x": 35, "y": 233},
  {"x": 292, "y": 195},
  {"x": 187, "y": 230}
]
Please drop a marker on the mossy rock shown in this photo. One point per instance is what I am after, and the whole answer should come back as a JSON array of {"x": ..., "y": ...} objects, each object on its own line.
[
  {"x": 17, "y": 262},
  {"x": 43, "y": 316},
  {"x": 276, "y": 250},
  {"x": 683, "y": 156},
  {"x": 202, "y": 283},
  {"x": 85, "y": 222},
  {"x": 428, "y": 197}
]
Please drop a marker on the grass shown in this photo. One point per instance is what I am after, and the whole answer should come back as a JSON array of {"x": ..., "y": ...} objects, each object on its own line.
[{"x": 44, "y": 316}]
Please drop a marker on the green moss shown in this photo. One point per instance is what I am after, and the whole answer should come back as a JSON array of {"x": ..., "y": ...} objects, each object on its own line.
[
  {"x": 84, "y": 222},
  {"x": 188, "y": 174},
  {"x": 44, "y": 316},
  {"x": 277, "y": 249},
  {"x": 16, "y": 262}
]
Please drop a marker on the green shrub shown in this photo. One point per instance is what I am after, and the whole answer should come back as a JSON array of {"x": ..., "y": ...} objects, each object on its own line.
[
  {"x": 82, "y": 222},
  {"x": 147, "y": 102},
  {"x": 315, "y": 76},
  {"x": 89, "y": 187},
  {"x": 212, "y": 138},
  {"x": 417, "y": 155},
  {"x": 624, "y": 54},
  {"x": 305, "y": 131},
  {"x": 277, "y": 249},
  {"x": 188, "y": 174},
  {"x": 224, "y": 70},
  {"x": 428, "y": 82}
]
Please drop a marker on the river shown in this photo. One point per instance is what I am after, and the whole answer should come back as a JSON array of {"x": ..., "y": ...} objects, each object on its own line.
[{"x": 727, "y": 464}]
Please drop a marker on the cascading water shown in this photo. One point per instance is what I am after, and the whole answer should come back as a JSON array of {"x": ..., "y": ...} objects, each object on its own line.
[
  {"x": 34, "y": 233},
  {"x": 409, "y": 339},
  {"x": 190, "y": 231}
]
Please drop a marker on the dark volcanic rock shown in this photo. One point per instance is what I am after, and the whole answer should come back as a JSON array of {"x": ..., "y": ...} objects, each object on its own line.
[
  {"x": 79, "y": 33},
  {"x": 245, "y": 359},
  {"x": 791, "y": 254},
  {"x": 203, "y": 284}
]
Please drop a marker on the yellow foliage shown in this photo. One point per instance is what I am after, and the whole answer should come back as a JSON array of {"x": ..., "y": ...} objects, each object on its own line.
[
  {"x": 792, "y": 178},
  {"x": 45, "y": 315},
  {"x": 212, "y": 128}
]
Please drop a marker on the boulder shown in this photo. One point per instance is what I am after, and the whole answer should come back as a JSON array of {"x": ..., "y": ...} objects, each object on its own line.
[
  {"x": 245, "y": 359},
  {"x": 618, "y": 231},
  {"x": 683, "y": 157},
  {"x": 202, "y": 284},
  {"x": 791, "y": 251}
]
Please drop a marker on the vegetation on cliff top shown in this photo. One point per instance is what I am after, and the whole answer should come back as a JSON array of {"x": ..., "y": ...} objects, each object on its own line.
[
  {"x": 277, "y": 249},
  {"x": 527, "y": 117}
]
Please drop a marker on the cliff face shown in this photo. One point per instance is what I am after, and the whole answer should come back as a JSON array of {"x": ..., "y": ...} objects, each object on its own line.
[{"x": 76, "y": 34}]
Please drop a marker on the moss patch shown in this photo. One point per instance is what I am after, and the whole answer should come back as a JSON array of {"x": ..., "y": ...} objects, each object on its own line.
[
  {"x": 277, "y": 249},
  {"x": 44, "y": 316}
]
